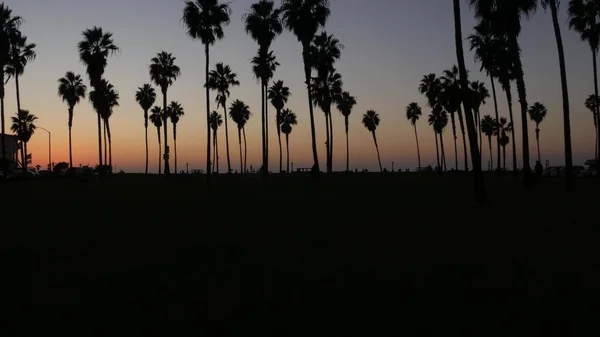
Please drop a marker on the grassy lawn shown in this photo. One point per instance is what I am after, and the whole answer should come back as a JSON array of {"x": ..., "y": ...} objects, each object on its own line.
[{"x": 348, "y": 254}]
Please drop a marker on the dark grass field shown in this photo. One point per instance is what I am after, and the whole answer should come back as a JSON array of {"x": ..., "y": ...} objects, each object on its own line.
[{"x": 358, "y": 254}]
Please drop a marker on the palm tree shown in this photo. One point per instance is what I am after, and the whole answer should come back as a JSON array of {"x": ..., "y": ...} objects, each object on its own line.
[
  {"x": 438, "y": 119},
  {"x": 413, "y": 113},
  {"x": 584, "y": 18},
  {"x": 156, "y": 117},
  {"x": 288, "y": 120},
  {"x": 163, "y": 73},
  {"x": 216, "y": 120},
  {"x": 23, "y": 125},
  {"x": 304, "y": 18},
  {"x": 503, "y": 127},
  {"x": 146, "y": 96},
  {"x": 345, "y": 105},
  {"x": 204, "y": 20},
  {"x": 21, "y": 53},
  {"x": 325, "y": 91},
  {"x": 505, "y": 18},
  {"x": 71, "y": 90},
  {"x": 279, "y": 95},
  {"x": 221, "y": 79},
  {"x": 537, "y": 113},
  {"x": 175, "y": 112},
  {"x": 240, "y": 114},
  {"x": 8, "y": 25},
  {"x": 485, "y": 44},
  {"x": 371, "y": 121},
  {"x": 104, "y": 98},
  {"x": 487, "y": 126},
  {"x": 263, "y": 24},
  {"x": 479, "y": 95},
  {"x": 263, "y": 67},
  {"x": 451, "y": 82},
  {"x": 324, "y": 51},
  {"x": 450, "y": 101},
  {"x": 431, "y": 87},
  {"x": 94, "y": 50},
  {"x": 592, "y": 105}
]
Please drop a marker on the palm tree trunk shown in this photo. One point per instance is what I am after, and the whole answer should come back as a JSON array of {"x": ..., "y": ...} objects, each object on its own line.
[
  {"x": 480, "y": 136},
  {"x": 263, "y": 122},
  {"x": 330, "y": 141},
  {"x": 227, "y": 138},
  {"x": 206, "y": 72},
  {"x": 70, "y": 144},
  {"x": 266, "y": 130},
  {"x": 504, "y": 156},
  {"x": 454, "y": 137},
  {"x": 287, "y": 146},
  {"x": 217, "y": 150},
  {"x": 105, "y": 142},
  {"x": 214, "y": 152},
  {"x": 491, "y": 154},
  {"x": 443, "y": 152},
  {"x": 464, "y": 139},
  {"x": 521, "y": 89},
  {"x": 307, "y": 73},
  {"x": 418, "y": 150},
  {"x": 109, "y": 144},
  {"x": 327, "y": 141},
  {"x": 537, "y": 138},
  {"x": 165, "y": 133},
  {"x": 514, "y": 140},
  {"x": 377, "y": 148},
  {"x": 347, "y": 145},
  {"x": 437, "y": 152},
  {"x": 240, "y": 143},
  {"x": 159, "y": 152},
  {"x": 26, "y": 165},
  {"x": 18, "y": 92},
  {"x": 597, "y": 112},
  {"x": 497, "y": 116},
  {"x": 479, "y": 186},
  {"x": 279, "y": 139},
  {"x": 3, "y": 125},
  {"x": 245, "y": 151},
  {"x": 145, "y": 136},
  {"x": 175, "y": 144},
  {"x": 99, "y": 141}
]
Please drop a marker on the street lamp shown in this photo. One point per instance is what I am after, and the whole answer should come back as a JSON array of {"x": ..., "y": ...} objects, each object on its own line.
[{"x": 49, "y": 148}]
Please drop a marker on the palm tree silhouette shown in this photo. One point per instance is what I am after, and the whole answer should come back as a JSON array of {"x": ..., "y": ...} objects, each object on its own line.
[
  {"x": 8, "y": 25},
  {"x": 537, "y": 113},
  {"x": 288, "y": 121},
  {"x": 488, "y": 126},
  {"x": 584, "y": 18},
  {"x": 175, "y": 112},
  {"x": 21, "y": 53},
  {"x": 263, "y": 67},
  {"x": 450, "y": 100},
  {"x": 345, "y": 105},
  {"x": 479, "y": 95},
  {"x": 215, "y": 122},
  {"x": 156, "y": 117},
  {"x": 163, "y": 73},
  {"x": 413, "y": 113},
  {"x": 240, "y": 114},
  {"x": 279, "y": 94},
  {"x": 371, "y": 121},
  {"x": 502, "y": 128},
  {"x": 438, "y": 119},
  {"x": 263, "y": 24},
  {"x": 451, "y": 81},
  {"x": 505, "y": 18},
  {"x": 592, "y": 105},
  {"x": 104, "y": 98},
  {"x": 570, "y": 178},
  {"x": 485, "y": 44},
  {"x": 146, "y": 97},
  {"x": 324, "y": 51},
  {"x": 71, "y": 90},
  {"x": 204, "y": 20},
  {"x": 94, "y": 50},
  {"x": 23, "y": 125},
  {"x": 431, "y": 87},
  {"x": 221, "y": 79},
  {"x": 304, "y": 18},
  {"x": 325, "y": 91}
]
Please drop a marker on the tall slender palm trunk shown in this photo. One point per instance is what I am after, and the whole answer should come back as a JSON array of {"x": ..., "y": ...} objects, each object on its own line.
[
  {"x": 227, "y": 138},
  {"x": 514, "y": 139},
  {"x": 3, "y": 125},
  {"x": 497, "y": 116},
  {"x": 464, "y": 139},
  {"x": 165, "y": 133},
  {"x": 443, "y": 152},
  {"x": 437, "y": 152},
  {"x": 206, "y": 72},
  {"x": 279, "y": 139},
  {"x": 263, "y": 127},
  {"x": 377, "y": 148},
  {"x": 504, "y": 156},
  {"x": 330, "y": 141},
  {"x": 454, "y": 137},
  {"x": 521, "y": 89},
  {"x": 159, "y": 152},
  {"x": 240, "y": 143},
  {"x": 491, "y": 154},
  {"x": 18, "y": 92},
  {"x": 146, "y": 137},
  {"x": 597, "y": 112},
  {"x": 99, "y": 142},
  {"x": 109, "y": 144},
  {"x": 480, "y": 135},
  {"x": 70, "y": 143},
  {"x": 346, "y": 122},
  {"x": 175, "y": 145},
  {"x": 217, "y": 151},
  {"x": 327, "y": 144},
  {"x": 537, "y": 138},
  {"x": 418, "y": 149},
  {"x": 214, "y": 153},
  {"x": 245, "y": 151},
  {"x": 287, "y": 147},
  {"x": 105, "y": 142},
  {"x": 307, "y": 72},
  {"x": 266, "y": 130}
]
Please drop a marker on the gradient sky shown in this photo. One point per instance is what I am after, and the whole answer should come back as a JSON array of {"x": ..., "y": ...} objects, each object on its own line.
[{"x": 389, "y": 46}]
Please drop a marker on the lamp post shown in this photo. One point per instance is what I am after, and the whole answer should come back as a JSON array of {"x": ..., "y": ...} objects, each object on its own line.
[{"x": 49, "y": 148}]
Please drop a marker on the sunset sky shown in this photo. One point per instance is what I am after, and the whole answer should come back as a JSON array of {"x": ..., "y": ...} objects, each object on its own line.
[{"x": 389, "y": 46}]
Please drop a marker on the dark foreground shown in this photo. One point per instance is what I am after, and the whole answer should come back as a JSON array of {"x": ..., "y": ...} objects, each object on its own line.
[{"x": 362, "y": 254}]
